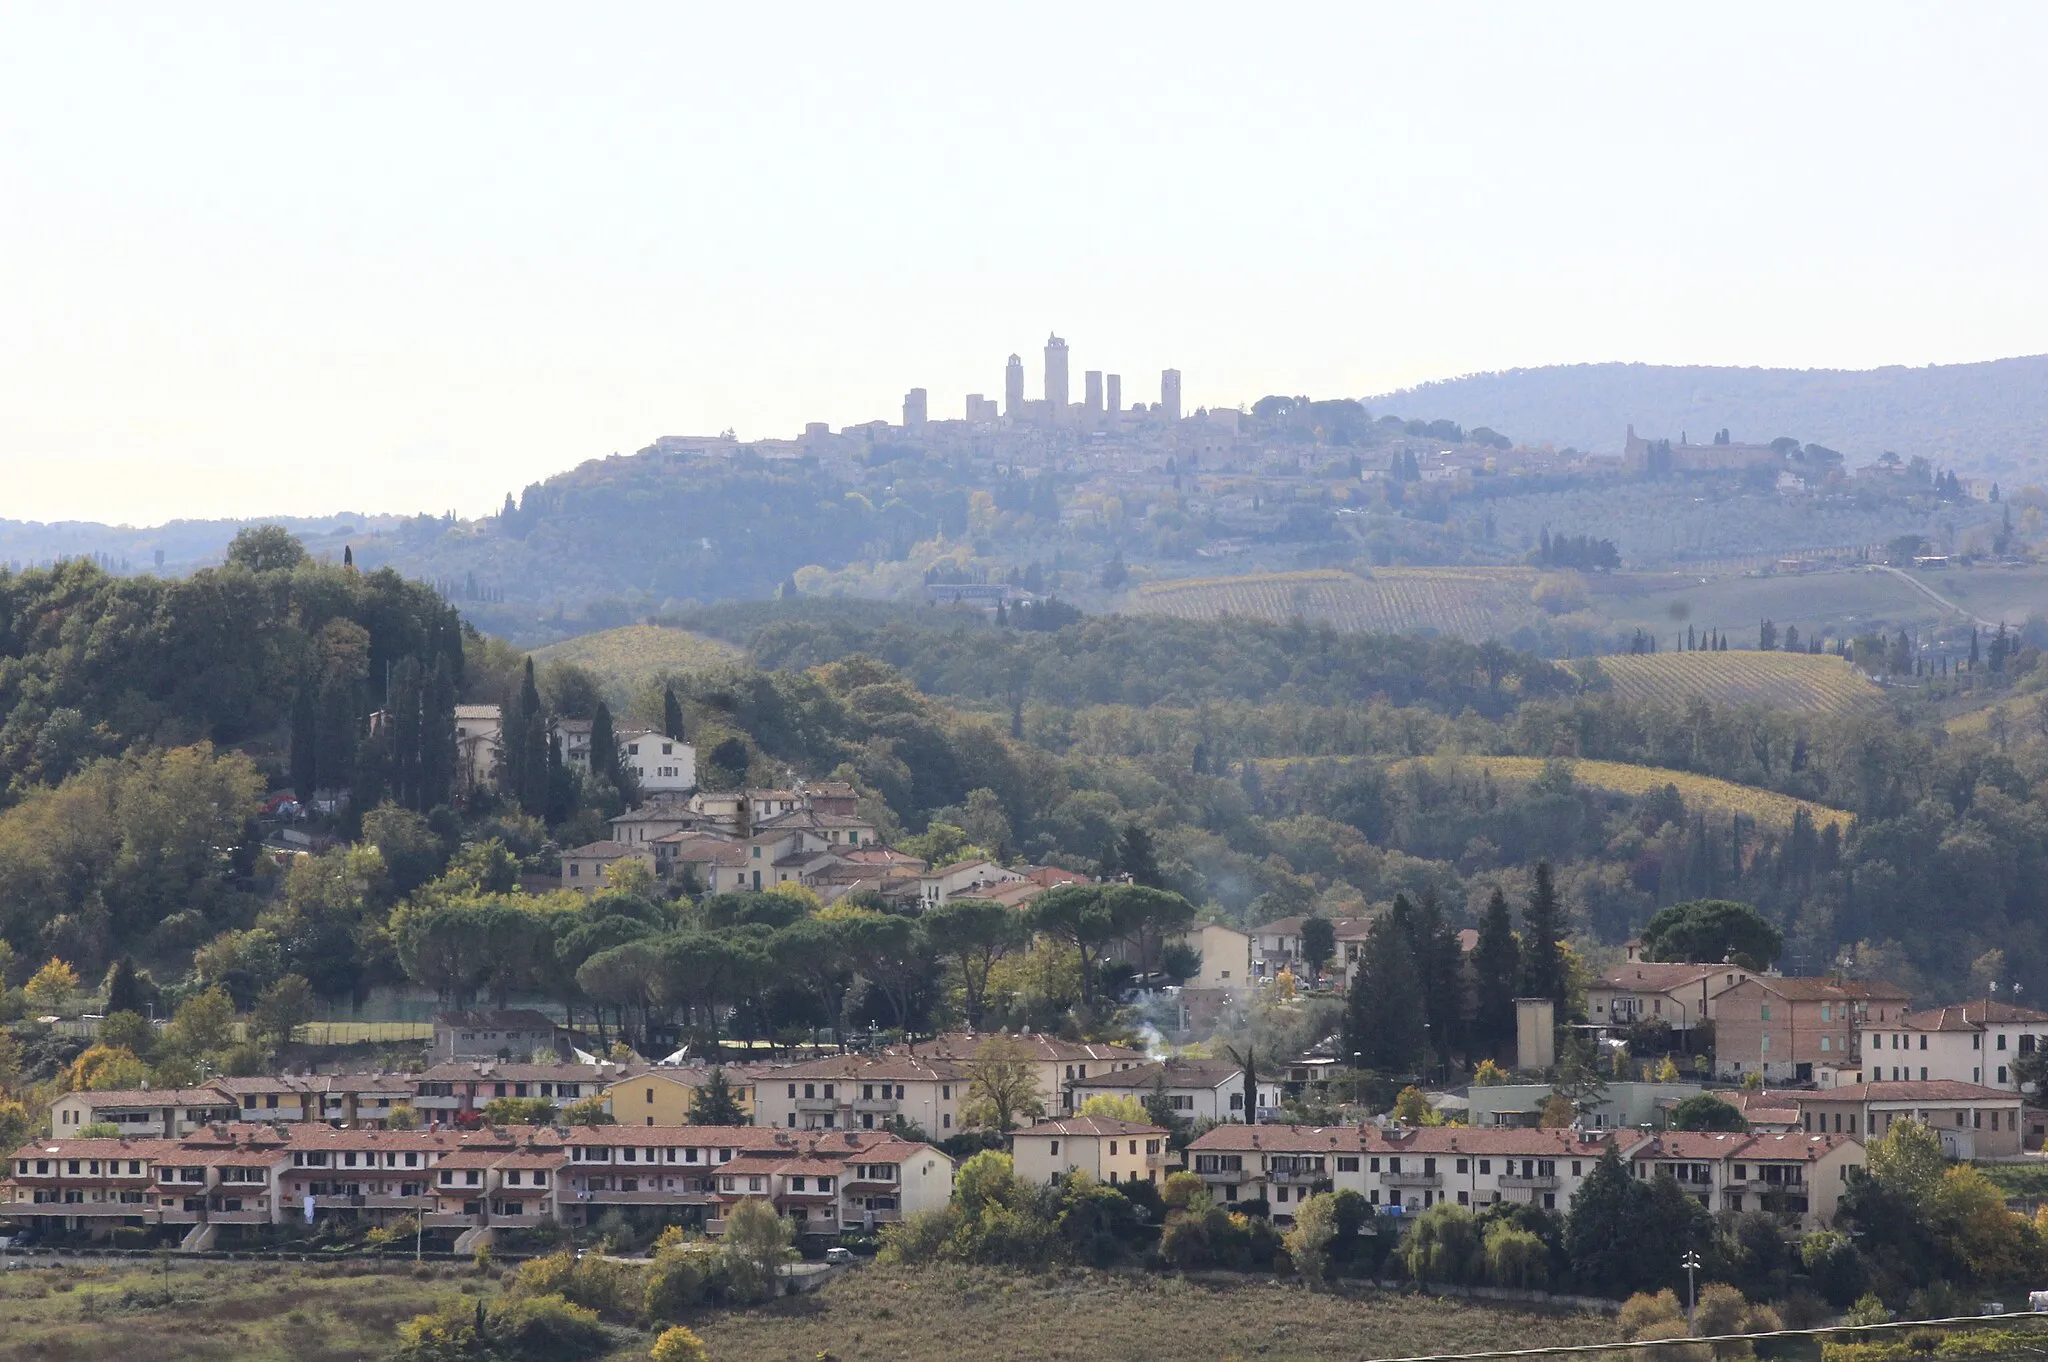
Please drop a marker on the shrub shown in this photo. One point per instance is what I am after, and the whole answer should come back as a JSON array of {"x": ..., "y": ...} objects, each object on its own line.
[
  {"x": 678, "y": 1345},
  {"x": 1444, "y": 1246},
  {"x": 1645, "y": 1309},
  {"x": 677, "y": 1283},
  {"x": 1515, "y": 1257},
  {"x": 546, "y": 1329},
  {"x": 920, "y": 1237}
]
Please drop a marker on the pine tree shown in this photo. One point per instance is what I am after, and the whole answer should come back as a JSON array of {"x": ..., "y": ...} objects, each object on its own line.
[
  {"x": 715, "y": 1103},
  {"x": 671, "y": 712},
  {"x": 1437, "y": 962},
  {"x": 1497, "y": 967},
  {"x": 1543, "y": 968}
]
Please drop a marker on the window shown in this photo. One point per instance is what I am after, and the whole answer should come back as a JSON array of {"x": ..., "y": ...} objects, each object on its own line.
[
  {"x": 1345, "y": 1164},
  {"x": 2001, "y": 1042},
  {"x": 1485, "y": 1165},
  {"x": 1766, "y": 1015},
  {"x": 1055, "y": 1148},
  {"x": 2001, "y": 1073},
  {"x": 1463, "y": 1165}
]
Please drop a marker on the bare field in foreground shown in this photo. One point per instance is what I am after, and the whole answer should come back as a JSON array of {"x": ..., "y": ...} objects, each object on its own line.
[
  {"x": 253, "y": 1312},
  {"x": 940, "y": 1314}
]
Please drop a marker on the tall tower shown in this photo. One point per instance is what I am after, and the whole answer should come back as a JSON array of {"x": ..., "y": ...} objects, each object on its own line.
[
  {"x": 914, "y": 409},
  {"x": 1013, "y": 387},
  {"x": 1055, "y": 376},
  {"x": 1169, "y": 393},
  {"x": 1116, "y": 393},
  {"x": 1091, "y": 391}
]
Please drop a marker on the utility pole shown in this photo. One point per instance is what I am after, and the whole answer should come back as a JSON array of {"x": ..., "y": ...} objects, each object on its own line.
[{"x": 1691, "y": 1264}]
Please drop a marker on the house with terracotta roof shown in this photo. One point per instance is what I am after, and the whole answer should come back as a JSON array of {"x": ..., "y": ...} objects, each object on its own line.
[
  {"x": 456, "y": 1091},
  {"x": 1276, "y": 946},
  {"x": 1058, "y": 1063},
  {"x": 665, "y": 1094},
  {"x": 502, "y": 1033},
  {"x": 353, "y": 1099},
  {"x": 1196, "y": 1089},
  {"x": 865, "y": 1092},
  {"x": 162, "y": 1113},
  {"x": 1107, "y": 1150},
  {"x": 1785, "y": 1028},
  {"x": 1769, "y": 1111},
  {"x": 695, "y": 1174},
  {"x": 1679, "y": 995},
  {"x": 1400, "y": 1168},
  {"x": 1795, "y": 1174},
  {"x": 68, "y": 1185},
  {"x": 1972, "y": 1120},
  {"x": 1974, "y": 1042},
  {"x": 583, "y": 867}
]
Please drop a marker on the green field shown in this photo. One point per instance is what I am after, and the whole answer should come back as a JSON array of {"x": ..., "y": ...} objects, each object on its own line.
[
  {"x": 361, "y": 1033},
  {"x": 1725, "y": 796},
  {"x": 627, "y": 658},
  {"x": 1469, "y": 602},
  {"x": 251, "y": 1312}
]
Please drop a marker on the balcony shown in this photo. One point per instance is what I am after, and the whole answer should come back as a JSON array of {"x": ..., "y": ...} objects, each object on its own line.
[
  {"x": 243, "y": 1217},
  {"x": 652, "y": 1196},
  {"x": 1535, "y": 1182},
  {"x": 451, "y": 1220},
  {"x": 884, "y": 1106},
  {"x": 1412, "y": 1178},
  {"x": 1293, "y": 1177},
  {"x": 817, "y": 1104}
]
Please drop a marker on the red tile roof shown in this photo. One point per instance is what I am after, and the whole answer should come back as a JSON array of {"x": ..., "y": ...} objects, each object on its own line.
[
  {"x": 1922, "y": 1090},
  {"x": 1090, "y": 1126}
]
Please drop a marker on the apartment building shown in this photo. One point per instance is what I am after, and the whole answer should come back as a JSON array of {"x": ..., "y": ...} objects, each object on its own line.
[
  {"x": 1196, "y": 1089},
  {"x": 1679, "y": 995},
  {"x": 665, "y": 1096},
  {"x": 864, "y": 1092},
  {"x": 1107, "y": 1150},
  {"x": 1976, "y": 1042},
  {"x": 1226, "y": 956},
  {"x": 1792, "y": 1174},
  {"x": 1058, "y": 1063},
  {"x": 458, "y": 1091},
  {"x": 507, "y": 1033},
  {"x": 1398, "y": 1168},
  {"x": 352, "y": 1099},
  {"x": 1972, "y": 1120},
  {"x": 700, "y": 1172},
  {"x": 162, "y": 1113},
  {"x": 1785, "y": 1029},
  {"x": 480, "y": 1189},
  {"x": 72, "y": 1184}
]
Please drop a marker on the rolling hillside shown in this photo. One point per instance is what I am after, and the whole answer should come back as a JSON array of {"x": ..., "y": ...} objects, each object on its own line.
[
  {"x": 1989, "y": 418},
  {"x": 627, "y": 658},
  {"x": 1724, "y": 796},
  {"x": 1473, "y": 603},
  {"x": 1781, "y": 680}
]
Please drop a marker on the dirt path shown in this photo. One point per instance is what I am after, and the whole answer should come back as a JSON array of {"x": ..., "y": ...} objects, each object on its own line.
[{"x": 1944, "y": 602}]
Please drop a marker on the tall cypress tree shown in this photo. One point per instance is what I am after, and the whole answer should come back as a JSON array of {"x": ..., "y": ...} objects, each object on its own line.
[
  {"x": 1543, "y": 970},
  {"x": 1383, "y": 1013},
  {"x": 671, "y": 712},
  {"x": 1437, "y": 959},
  {"x": 1497, "y": 965},
  {"x": 604, "y": 745}
]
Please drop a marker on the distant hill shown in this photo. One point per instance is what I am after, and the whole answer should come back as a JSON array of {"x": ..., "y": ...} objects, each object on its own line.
[
  {"x": 1989, "y": 419},
  {"x": 627, "y": 658}
]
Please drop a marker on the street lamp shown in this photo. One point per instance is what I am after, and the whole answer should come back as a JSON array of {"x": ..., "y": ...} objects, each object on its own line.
[{"x": 1691, "y": 1264}]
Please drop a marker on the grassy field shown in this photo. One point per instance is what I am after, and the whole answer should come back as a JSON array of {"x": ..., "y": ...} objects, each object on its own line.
[
  {"x": 1472, "y": 602},
  {"x": 1839, "y": 603},
  {"x": 895, "y": 1315},
  {"x": 1698, "y": 791},
  {"x": 217, "y": 1312},
  {"x": 1995, "y": 593},
  {"x": 627, "y": 658},
  {"x": 360, "y": 1033},
  {"x": 1781, "y": 680},
  {"x": 246, "y": 1312}
]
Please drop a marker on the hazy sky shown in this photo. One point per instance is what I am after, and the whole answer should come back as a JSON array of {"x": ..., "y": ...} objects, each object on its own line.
[{"x": 271, "y": 258}]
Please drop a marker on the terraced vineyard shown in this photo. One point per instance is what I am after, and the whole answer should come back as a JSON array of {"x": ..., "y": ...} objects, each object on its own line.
[
  {"x": 1473, "y": 603},
  {"x": 1725, "y": 796},
  {"x": 627, "y": 658},
  {"x": 1803, "y": 681}
]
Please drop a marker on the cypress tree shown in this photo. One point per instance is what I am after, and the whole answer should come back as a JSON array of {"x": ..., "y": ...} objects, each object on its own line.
[
  {"x": 1383, "y": 1013},
  {"x": 671, "y": 712},
  {"x": 1497, "y": 965},
  {"x": 1136, "y": 856},
  {"x": 1543, "y": 968},
  {"x": 1437, "y": 960},
  {"x": 604, "y": 745}
]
